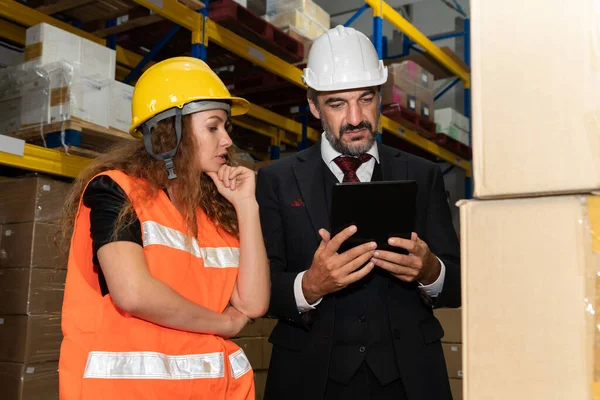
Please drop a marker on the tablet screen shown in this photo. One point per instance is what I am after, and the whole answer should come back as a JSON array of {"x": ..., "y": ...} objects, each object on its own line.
[{"x": 379, "y": 210}]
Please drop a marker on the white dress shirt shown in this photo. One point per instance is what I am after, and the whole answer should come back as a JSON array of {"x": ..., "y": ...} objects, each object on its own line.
[{"x": 364, "y": 173}]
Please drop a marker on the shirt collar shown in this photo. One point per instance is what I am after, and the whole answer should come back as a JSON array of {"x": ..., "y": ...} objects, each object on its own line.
[{"x": 329, "y": 153}]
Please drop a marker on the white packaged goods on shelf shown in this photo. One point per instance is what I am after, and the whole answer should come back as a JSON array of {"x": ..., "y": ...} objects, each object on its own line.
[
  {"x": 242, "y": 2},
  {"x": 37, "y": 95},
  {"x": 305, "y": 25},
  {"x": 46, "y": 44},
  {"x": 120, "y": 106},
  {"x": 449, "y": 116},
  {"x": 307, "y": 7},
  {"x": 454, "y": 132}
]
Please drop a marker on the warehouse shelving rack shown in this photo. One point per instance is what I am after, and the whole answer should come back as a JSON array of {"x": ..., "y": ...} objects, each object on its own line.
[{"x": 279, "y": 129}]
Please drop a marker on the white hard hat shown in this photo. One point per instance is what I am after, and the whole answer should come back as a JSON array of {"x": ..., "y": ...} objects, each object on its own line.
[{"x": 343, "y": 58}]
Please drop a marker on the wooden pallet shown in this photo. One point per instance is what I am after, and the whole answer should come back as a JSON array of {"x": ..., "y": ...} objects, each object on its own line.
[
  {"x": 81, "y": 138},
  {"x": 243, "y": 84},
  {"x": 242, "y": 21},
  {"x": 454, "y": 146},
  {"x": 412, "y": 119}
]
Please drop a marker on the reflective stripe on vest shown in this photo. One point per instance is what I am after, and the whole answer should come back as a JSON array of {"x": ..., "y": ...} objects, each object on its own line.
[
  {"x": 214, "y": 257},
  {"x": 151, "y": 365},
  {"x": 239, "y": 364}
]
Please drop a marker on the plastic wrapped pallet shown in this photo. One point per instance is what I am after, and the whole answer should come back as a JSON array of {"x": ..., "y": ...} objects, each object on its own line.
[
  {"x": 530, "y": 305},
  {"x": 120, "y": 106},
  {"x": 307, "y": 7},
  {"x": 32, "y": 381},
  {"x": 50, "y": 93},
  {"x": 305, "y": 25}
]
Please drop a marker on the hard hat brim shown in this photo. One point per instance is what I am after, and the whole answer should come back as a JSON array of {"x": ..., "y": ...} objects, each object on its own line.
[{"x": 239, "y": 106}]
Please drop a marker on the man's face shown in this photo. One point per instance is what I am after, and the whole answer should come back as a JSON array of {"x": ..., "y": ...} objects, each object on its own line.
[{"x": 349, "y": 118}]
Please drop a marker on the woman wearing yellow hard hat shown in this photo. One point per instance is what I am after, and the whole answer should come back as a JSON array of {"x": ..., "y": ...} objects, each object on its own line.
[{"x": 166, "y": 258}]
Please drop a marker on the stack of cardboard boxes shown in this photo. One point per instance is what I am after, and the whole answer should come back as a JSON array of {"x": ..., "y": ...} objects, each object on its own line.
[
  {"x": 63, "y": 77},
  {"x": 303, "y": 20},
  {"x": 530, "y": 241},
  {"x": 410, "y": 86},
  {"x": 254, "y": 340},
  {"x": 32, "y": 278},
  {"x": 452, "y": 344}
]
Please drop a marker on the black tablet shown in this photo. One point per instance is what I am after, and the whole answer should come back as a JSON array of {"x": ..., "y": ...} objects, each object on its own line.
[{"x": 379, "y": 210}]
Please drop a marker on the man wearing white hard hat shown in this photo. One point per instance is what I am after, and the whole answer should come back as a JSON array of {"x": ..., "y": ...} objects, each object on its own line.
[{"x": 355, "y": 325}]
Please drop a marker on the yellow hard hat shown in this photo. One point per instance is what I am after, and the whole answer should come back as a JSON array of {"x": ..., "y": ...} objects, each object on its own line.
[{"x": 173, "y": 83}]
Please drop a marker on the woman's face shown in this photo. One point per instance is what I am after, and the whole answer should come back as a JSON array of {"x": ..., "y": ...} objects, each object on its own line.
[{"x": 212, "y": 139}]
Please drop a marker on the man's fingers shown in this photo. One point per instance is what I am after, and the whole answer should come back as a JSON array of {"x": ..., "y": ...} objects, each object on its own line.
[
  {"x": 408, "y": 261},
  {"x": 396, "y": 269},
  {"x": 358, "y": 275},
  {"x": 356, "y": 263},
  {"x": 357, "y": 251},
  {"x": 337, "y": 240},
  {"x": 410, "y": 245},
  {"x": 324, "y": 239}
]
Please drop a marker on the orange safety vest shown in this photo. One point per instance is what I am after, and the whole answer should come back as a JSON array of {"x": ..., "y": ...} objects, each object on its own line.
[{"x": 109, "y": 354}]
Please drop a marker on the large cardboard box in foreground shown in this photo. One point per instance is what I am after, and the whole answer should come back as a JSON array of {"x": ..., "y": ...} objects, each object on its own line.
[
  {"x": 536, "y": 97},
  {"x": 529, "y": 298}
]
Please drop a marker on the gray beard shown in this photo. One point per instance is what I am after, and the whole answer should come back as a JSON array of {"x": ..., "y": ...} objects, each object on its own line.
[{"x": 349, "y": 150}]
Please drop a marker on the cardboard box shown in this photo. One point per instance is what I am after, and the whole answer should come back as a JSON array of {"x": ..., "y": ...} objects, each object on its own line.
[
  {"x": 29, "y": 381},
  {"x": 295, "y": 33},
  {"x": 31, "y": 291},
  {"x": 529, "y": 280},
  {"x": 30, "y": 245},
  {"x": 456, "y": 387},
  {"x": 451, "y": 321},
  {"x": 261, "y": 327},
  {"x": 32, "y": 199},
  {"x": 307, "y": 7},
  {"x": 260, "y": 382},
  {"x": 392, "y": 94},
  {"x": 258, "y": 351},
  {"x": 120, "y": 106},
  {"x": 47, "y": 44},
  {"x": 449, "y": 116},
  {"x": 305, "y": 25},
  {"x": 34, "y": 338},
  {"x": 453, "y": 356},
  {"x": 425, "y": 109},
  {"x": 535, "y": 121},
  {"x": 404, "y": 76},
  {"x": 34, "y": 97}
]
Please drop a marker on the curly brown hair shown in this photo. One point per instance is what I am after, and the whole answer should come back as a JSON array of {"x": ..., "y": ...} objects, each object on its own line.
[{"x": 194, "y": 189}]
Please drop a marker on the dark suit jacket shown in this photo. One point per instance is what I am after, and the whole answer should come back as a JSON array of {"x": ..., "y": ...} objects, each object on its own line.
[{"x": 290, "y": 227}]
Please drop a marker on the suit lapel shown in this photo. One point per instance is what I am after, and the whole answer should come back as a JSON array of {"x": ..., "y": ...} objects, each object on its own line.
[
  {"x": 393, "y": 166},
  {"x": 309, "y": 175}
]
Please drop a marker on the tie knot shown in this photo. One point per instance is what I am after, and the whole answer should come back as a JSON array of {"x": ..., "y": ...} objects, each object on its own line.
[{"x": 349, "y": 165}]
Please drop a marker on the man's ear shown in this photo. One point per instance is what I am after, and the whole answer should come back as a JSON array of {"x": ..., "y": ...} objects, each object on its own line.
[{"x": 314, "y": 109}]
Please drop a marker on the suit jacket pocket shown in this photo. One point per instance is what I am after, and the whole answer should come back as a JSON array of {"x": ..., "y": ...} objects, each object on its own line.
[{"x": 432, "y": 330}]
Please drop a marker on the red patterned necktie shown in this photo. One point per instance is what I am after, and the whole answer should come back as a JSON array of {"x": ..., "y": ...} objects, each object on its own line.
[{"x": 349, "y": 165}]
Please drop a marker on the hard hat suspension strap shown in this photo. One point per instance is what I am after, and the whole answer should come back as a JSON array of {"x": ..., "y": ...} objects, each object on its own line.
[{"x": 167, "y": 156}]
